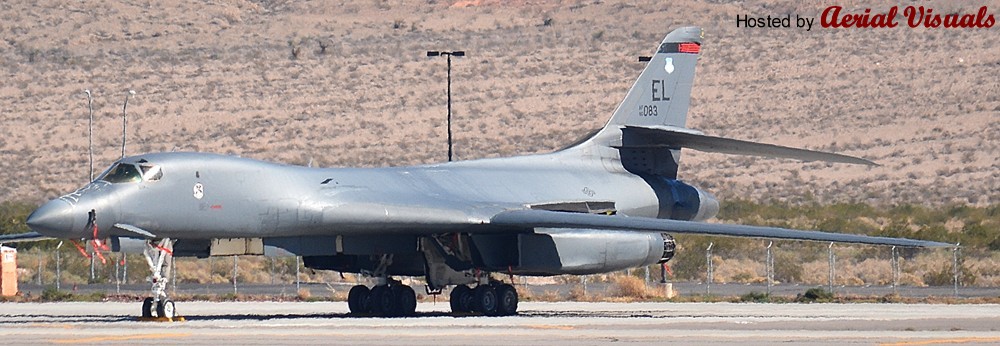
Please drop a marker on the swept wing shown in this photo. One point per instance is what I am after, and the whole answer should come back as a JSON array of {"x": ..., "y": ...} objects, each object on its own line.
[{"x": 544, "y": 218}]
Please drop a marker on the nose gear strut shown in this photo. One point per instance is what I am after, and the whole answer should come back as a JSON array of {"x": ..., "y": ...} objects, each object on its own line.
[{"x": 159, "y": 257}]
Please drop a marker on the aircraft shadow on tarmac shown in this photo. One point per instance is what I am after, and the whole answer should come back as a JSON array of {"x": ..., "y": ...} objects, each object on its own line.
[
  {"x": 259, "y": 317},
  {"x": 536, "y": 314},
  {"x": 14, "y": 319}
]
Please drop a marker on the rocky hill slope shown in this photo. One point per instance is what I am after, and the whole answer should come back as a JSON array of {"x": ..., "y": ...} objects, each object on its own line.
[{"x": 348, "y": 84}]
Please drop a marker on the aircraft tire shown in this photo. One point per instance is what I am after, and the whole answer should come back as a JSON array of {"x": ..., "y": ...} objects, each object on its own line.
[
  {"x": 461, "y": 297},
  {"x": 506, "y": 300},
  {"x": 406, "y": 300},
  {"x": 357, "y": 299},
  {"x": 166, "y": 308},
  {"x": 147, "y": 307},
  {"x": 485, "y": 300},
  {"x": 383, "y": 301}
]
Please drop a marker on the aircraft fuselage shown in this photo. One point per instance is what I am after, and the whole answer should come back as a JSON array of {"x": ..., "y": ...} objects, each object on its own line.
[{"x": 223, "y": 196}]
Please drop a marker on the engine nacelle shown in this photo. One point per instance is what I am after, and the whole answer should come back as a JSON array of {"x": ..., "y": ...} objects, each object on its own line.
[
  {"x": 680, "y": 201},
  {"x": 582, "y": 251}
]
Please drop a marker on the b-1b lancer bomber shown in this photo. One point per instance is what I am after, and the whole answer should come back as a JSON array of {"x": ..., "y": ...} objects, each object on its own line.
[{"x": 607, "y": 203}]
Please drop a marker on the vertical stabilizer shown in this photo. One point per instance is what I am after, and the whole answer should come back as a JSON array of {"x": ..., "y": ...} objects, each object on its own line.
[
  {"x": 660, "y": 97},
  {"x": 662, "y": 93}
]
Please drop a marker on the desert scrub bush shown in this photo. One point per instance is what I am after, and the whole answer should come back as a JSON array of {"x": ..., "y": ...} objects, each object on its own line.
[
  {"x": 755, "y": 297},
  {"x": 576, "y": 293},
  {"x": 945, "y": 275},
  {"x": 51, "y": 294},
  {"x": 815, "y": 294},
  {"x": 626, "y": 286}
]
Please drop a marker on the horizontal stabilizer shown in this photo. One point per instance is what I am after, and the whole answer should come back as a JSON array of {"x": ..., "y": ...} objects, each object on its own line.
[
  {"x": 676, "y": 138},
  {"x": 551, "y": 219},
  {"x": 22, "y": 237}
]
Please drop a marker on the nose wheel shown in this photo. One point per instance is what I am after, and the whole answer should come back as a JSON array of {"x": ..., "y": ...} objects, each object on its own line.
[{"x": 158, "y": 256}]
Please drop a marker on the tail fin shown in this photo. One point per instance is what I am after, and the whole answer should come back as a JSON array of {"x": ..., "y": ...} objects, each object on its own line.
[
  {"x": 660, "y": 97},
  {"x": 662, "y": 93}
]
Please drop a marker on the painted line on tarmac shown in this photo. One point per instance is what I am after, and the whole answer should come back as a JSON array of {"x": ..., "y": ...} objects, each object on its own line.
[
  {"x": 48, "y": 325},
  {"x": 120, "y": 338},
  {"x": 549, "y": 326},
  {"x": 944, "y": 341}
]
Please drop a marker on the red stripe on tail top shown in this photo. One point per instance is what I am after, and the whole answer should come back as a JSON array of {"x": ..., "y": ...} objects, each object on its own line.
[
  {"x": 680, "y": 47},
  {"x": 692, "y": 48}
]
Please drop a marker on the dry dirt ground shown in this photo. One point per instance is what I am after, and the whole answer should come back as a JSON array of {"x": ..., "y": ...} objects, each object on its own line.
[{"x": 348, "y": 84}]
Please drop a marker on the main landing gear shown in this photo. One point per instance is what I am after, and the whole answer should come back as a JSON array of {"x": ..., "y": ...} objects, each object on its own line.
[
  {"x": 158, "y": 257},
  {"x": 393, "y": 299},
  {"x": 493, "y": 299},
  {"x": 389, "y": 299}
]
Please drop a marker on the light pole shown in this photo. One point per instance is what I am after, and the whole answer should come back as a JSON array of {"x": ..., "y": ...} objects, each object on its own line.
[
  {"x": 90, "y": 136},
  {"x": 124, "y": 119},
  {"x": 456, "y": 53}
]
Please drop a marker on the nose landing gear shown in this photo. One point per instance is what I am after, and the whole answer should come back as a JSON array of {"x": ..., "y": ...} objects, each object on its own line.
[{"x": 158, "y": 257}]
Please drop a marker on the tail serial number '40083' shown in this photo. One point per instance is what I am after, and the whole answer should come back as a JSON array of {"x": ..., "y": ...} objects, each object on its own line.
[{"x": 607, "y": 203}]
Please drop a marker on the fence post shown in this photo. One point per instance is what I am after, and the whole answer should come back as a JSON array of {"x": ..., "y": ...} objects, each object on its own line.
[
  {"x": 895, "y": 270},
  {"x": 118, "y": 279},
  {"x": 708, "y": 276},
  {"x": 58, "y": 267},
  {"x": 38, "y": 274},
  {"x": 769, "y": 267},
  {"x": 236, "y": 263},
  {"x": 832, "y": 271},
  {"x": 955, "y": 268},
  {"x": 173, "y": 274},
  {"x": 125, "y": 268}
]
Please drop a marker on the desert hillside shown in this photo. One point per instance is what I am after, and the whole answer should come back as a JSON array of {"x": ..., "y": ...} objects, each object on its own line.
[{"x": 344, "y": 83}]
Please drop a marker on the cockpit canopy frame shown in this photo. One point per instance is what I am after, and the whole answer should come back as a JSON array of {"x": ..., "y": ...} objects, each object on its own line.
[{"x": 124, "y": 172}]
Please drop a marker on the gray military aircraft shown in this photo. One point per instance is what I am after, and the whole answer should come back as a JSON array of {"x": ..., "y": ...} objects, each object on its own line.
[{"x": 607, "y": 203}]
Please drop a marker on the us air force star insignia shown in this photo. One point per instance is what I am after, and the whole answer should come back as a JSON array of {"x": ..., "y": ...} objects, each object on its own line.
[
  {"x": 199, "y": 191},
  {"x": 669, "y": 66}
]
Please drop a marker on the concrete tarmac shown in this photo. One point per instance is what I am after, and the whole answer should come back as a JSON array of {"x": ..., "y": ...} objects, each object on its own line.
[{"x": 569, "y": 323}]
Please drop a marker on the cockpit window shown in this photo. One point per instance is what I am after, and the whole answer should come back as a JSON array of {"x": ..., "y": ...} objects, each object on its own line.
[
  {"x": 151, "y": 173},
  {"x": 122, "y": 173}
]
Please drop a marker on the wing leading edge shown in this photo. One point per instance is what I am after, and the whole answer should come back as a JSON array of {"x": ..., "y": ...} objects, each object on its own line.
[{"x": 544, "y": 218}]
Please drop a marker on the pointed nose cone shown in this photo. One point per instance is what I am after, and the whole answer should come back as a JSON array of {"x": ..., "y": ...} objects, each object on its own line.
[{"x": 53, "y": 219}]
